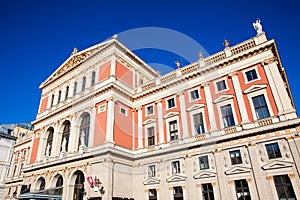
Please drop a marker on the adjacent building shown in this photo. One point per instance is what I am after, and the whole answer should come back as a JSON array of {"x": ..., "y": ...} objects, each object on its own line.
[{"x": 111, "y": 127}]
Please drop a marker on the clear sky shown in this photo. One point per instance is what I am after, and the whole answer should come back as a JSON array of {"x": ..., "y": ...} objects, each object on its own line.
[{"x": 37, "y": 36}]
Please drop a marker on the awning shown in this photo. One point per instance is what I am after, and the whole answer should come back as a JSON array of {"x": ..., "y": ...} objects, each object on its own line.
[{"x": 51, "y": 193}]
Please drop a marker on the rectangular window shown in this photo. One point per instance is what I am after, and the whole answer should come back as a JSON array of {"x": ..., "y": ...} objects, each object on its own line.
[
  {"x": 152, "y": 194},
  {"x": 171, "y": 103},
  {"x": 242, "y": 190},
  {"x": 177, "y": 193},
  {"x": 198, "y": 123},
  {"x": 173, "y": 127},
  {"x": 175, "y": 167},
  {"x": 207, "y": 192},
  {"x": 151, "y": 136},
  {"x": 221, "y": 85},
  {"x": 83, "y": 83},
  {"x": 204, "y": 163},
  {"x": 52, "y": 100},
  {"x": 273, "y": 150},
  {"x": 59, "y": 97},
  {"x": 235, "y": 157},
  {"x": 149, "y": 110},
  {"x": 260, "y": 106},
  {"x": 67, "y": 92},
  {"x": 251, "y": 75},
  {"x": 227, "y": 116},
  {"x": 75, "y": 89},
  {"x": 284, "y": 187},
  {"x": 123, "y": 111},
  {"x": 93, "y": 78},
  {"x": 195, "y": 94},
  {"x": 151, "y": 171}
]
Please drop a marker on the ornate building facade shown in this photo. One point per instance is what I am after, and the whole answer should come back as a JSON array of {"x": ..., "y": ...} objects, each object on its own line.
[{"x": 223, "y": 127}]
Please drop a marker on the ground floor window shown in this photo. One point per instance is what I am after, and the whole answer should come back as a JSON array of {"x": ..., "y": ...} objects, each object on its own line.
[
  {"x": 177, "y": 193},
  {"x": 79, "y": 186},
  {"x": 207, "y": 192},
  {"x": 242, "y": 190},
  {"x": 284, "y": 188},
  {"x": 152, "y": 194}
]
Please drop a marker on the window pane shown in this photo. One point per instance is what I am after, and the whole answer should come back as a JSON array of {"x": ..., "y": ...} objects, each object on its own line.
[
  {"x": 284, "y": 187},
  {"x": 198, "y": 123},
  {"x": 227, "y": 116},
  {"x": 204, "y": 164},
  {"x": 260, "y": 107}
]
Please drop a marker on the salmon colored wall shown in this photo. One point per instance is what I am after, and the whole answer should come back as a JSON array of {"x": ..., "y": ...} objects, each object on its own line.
[
  {"x": 104, "y": 71},
  {"x": 35, "y": 148},
  {"x": 154, "y": 116},
  {"x": 44, "y": 104},
  {"x": 263, "y": 80},
  {"x": 188, "y": 104},
  {"x": 124, "y": 74},
  {"x": 165, "y": 111},
  {"x": 123, "y": 126},
  {"x": 100, "y": 124}
]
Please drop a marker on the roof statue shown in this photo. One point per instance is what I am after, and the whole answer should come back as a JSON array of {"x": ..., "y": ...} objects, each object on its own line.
[{"x": 257, "y": 26}]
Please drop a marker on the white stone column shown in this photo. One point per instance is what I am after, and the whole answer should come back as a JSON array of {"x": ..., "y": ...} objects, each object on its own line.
[
  {"x": 184, "y": 123},
  {"x": 55, "y": 101},
  {"x": 210, "y": 107},
  {"x": 282, "y": 99},
  {"x": 295, "y": 185},
  {"x": 160, "y": 122},
  {"x": 110, "y": 119},
  {"x": 73, "y": 146},
  {"x": 63, "y": 94},
  {"x": 272, "y": 186},
  {"x": 185, "y": 197},
  {"x": 239, "y": 97},
  {"x": 158, "y": 193},
  {"x": 140, "y": 128},
  {"x": 113, "y": 66},
  {"x": 56, "y": 141},
  {"x": 92, "y": 126},
  {"x": 133, "y": 129}
]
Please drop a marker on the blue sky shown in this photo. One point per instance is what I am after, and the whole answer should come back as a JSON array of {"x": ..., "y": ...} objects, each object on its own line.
[{"x": 37, "y": 36}]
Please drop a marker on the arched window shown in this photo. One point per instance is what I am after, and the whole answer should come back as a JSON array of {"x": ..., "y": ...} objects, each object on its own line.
[
  {"x": 93, "y": 81},
  {"x": 85, "y": 128},
  {"x": 52, "y": 100},
  {"x": 59, "y": 185},
  {"x": 41, "y": 183},
  {"x": 65, "y": 135},
  {"x": 79, "y": 186},
  {"x": 49, "y": 142}
]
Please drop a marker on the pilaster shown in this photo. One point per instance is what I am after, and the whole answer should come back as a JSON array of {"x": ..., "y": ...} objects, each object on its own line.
[
  {"x": 210, "y": 107},
  {"x": 183, "y": 115},
  {"x": 110, "y": 119},
  {"x": 160, "y": 121}
]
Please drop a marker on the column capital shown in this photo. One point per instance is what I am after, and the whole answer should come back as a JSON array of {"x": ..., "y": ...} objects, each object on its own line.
[
  {"x": 269, "y": 61},
  {"x": 181, "y": 93},
  {"x": 111, "y": 98},
  {"x": 205, "y": 84},
  {"x": 158, "y": 101},
  {"x": 233, "y": 74},
  {"x": 139, "y": 108},
  {"x": 291, "y": 176}
]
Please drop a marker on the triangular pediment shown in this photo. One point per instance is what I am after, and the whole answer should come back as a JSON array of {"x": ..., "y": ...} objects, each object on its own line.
[
  {"x": 149, "y": 121},
  {"x": 171, "y": 114},
  {"x": 254, "y": 88},
  {"x": 176, "y": 178},
  {"x": 151, "y": 181},
  {"x": 74, "y": 60},
  {"x": 195, "y": 106},
  {"x": 204, "y": 174},
  {"x": 223, "y": 97},
  {"x": 237, "y": 170},
  {"x": 276, "y": 164}
]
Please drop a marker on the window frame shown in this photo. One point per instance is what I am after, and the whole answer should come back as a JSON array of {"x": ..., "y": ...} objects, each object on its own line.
[
  {"x": 234, "y": 160},
  {"x": 175, "y": 167},
  {"x": 168, "y": 128},
  {"x": 167, "y": 102},
  {"x": 273, "y": 154},
  {"x": 261, "y": 107},
  {"x": 217, "y": 91},
  {"x": 206, "y": 164},
  {"x": 248, "y": 70},
  {"x": 125, "y": 109},
  {"x": 285, "y": 185},
  {"x": 151, "y": 171},
  {"x": 259, "y": 92},
  {"x": 242, "y": 189},
  {"x": 207, "y": 189},
  {"x": 190, "y": 94},
  {"x": 146, "y": 110},
  {"x": 226, "y": 117}
]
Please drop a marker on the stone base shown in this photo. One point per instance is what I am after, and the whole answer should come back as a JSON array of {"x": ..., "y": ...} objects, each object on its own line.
[{"x": 82, "y": 149}]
